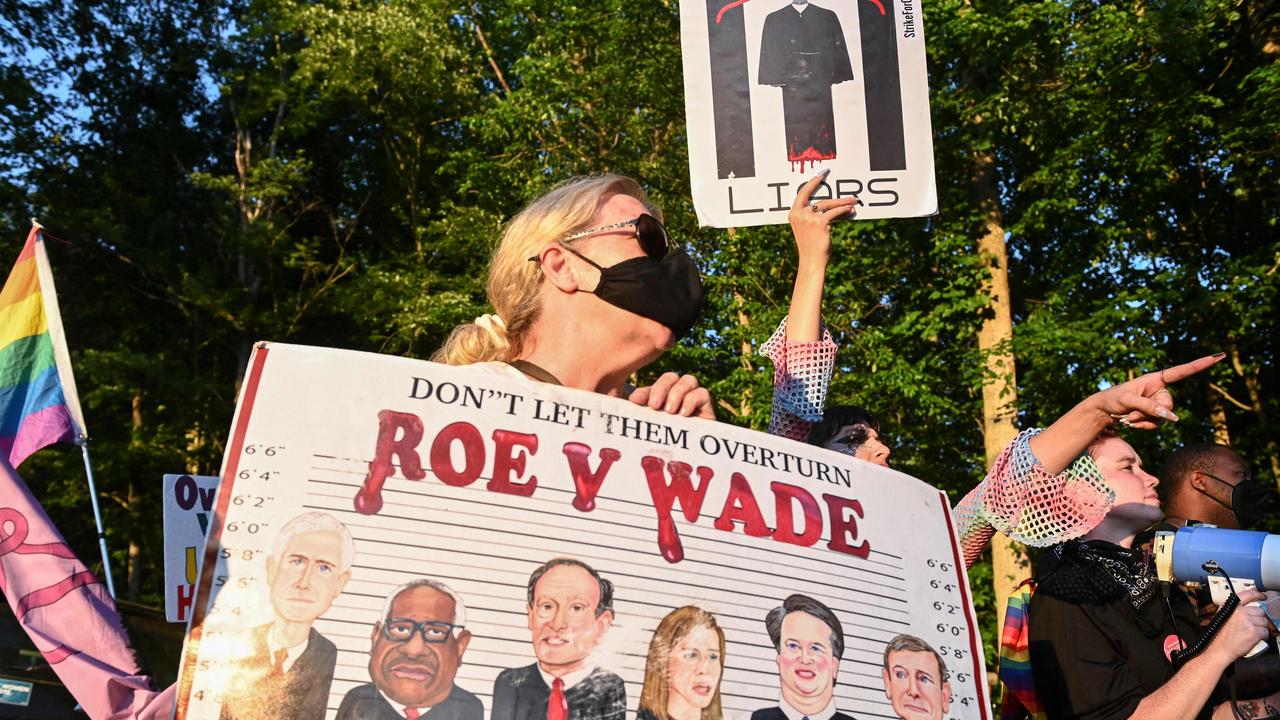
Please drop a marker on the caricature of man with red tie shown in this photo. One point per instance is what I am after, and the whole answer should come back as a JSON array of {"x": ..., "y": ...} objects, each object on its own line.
[{"x": 570, "y": 611}]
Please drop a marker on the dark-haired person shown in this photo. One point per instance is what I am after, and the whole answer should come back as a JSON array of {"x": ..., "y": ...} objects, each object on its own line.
[
  {"x": 570, "y": 611},
  {"x": 1212, "y": 484},
  {"x": 810, "y": 642},
  {"x": 1208, "y": 483},
  {"x": 853, "y": 431},
  {"x": 1100, "y": 638}
]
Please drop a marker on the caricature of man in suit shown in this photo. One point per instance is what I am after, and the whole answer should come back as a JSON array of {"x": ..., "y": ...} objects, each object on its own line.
[
  {"x": 287, "y": 666},
  {"x": 810, "y": 642},
  {"x": 417, "y": 648},
  {"x": 570, "y": 610},
  {"x": 916, "y": 680}
]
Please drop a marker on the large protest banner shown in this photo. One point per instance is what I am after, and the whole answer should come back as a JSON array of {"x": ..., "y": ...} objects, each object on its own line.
[
  {"x": 348, "y": 475},
  {"x": 776, "y": 89}
]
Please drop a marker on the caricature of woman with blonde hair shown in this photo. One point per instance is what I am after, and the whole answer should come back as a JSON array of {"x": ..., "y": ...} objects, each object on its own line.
[{"x": 683, "y": 671}]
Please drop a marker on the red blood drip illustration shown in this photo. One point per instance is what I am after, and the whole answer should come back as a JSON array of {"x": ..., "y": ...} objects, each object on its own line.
[{"x": 808, "y": 155}]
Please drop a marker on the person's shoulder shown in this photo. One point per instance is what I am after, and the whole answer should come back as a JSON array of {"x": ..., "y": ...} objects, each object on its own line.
[
  {"x": 466, "y": 697},
  {"x": 497, "y": 367},
  {"x": 517, "y": 676},
  {"x": 769, "y": 713},
  {"x": 359, "y": 703},
  {"x": 367, "y": 691},
  {"x": 842, "y": 716},
  {"x": 602, "y": 678},
  {"x": 322, "y": 643}
]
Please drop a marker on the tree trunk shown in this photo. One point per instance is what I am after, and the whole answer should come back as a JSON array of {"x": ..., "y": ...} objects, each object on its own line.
[
  {"x": 745, "y": 349},
  {"x": 1253, "y": 385},
  {"x": 1218, "y": 416},
  {"x": 133, "y": 582},
  {"x": 1010, "y": 564}
]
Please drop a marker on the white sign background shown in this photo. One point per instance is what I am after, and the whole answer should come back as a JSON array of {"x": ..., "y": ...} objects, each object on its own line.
[
  {"x": 185, "y": 498},
  {"x": 766, "y": 198},
  {"x": 305, "y": 434}
]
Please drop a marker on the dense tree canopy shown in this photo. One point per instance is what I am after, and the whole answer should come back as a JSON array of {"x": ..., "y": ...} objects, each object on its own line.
[{"x": 336, "y": 173}]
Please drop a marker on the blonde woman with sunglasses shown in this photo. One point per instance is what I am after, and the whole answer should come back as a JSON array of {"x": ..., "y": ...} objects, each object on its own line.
[{"x": 587, "y": 288}]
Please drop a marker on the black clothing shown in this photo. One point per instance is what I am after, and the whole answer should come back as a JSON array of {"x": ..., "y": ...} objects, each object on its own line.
[
  {"x": 882, "y": 85},
  {"x": 730, "y": 90},
  {"x": 521, "y": 694},
  {"x": 805, "y": 53},
  {"x": 364, "y": 702},
  {"x": 1097, "y": 647},
  {"x": 256, "y": 691},
  {"x": 775, "y": 713},
  {"x": 645, "y": 713}
]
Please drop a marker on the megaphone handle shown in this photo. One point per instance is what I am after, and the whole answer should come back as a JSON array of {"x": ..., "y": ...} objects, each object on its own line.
[{"x": 1262, "y": 644}]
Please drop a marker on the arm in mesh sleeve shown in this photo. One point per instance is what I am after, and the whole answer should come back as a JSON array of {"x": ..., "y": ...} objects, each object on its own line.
[
  {"x": 801, "y": 378},
  {"x": 1029, "y": 504}
]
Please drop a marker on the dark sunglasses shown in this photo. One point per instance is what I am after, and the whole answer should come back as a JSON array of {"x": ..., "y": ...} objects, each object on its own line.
[{"x": 653, "y": 238}]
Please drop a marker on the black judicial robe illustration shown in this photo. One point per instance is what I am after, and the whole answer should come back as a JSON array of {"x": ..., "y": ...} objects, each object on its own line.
[
  {"x": 803, "y": 51},
  {"x": 730, "y": 89},
  {"x": 882, "y": 85}
]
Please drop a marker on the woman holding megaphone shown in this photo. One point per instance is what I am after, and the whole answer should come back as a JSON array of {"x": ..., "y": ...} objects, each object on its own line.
[{"x": 1102, "y": 641}]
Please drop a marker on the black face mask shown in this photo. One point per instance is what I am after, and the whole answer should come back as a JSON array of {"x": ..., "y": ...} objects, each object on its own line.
[
  {"x": 1251, "y": 503},
  {"x": 668, "y": 291}
]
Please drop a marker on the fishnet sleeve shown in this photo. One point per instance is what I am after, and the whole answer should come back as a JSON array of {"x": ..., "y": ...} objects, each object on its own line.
[
  {"x": 1029, "y": 504},
  {"x": 801, "y": 378}
]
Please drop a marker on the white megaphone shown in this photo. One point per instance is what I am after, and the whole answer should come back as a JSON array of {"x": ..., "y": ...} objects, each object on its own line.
[{"x": 1205, "y": 555}]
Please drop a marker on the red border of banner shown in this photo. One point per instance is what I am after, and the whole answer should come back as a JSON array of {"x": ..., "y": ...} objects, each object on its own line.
[
  {"x": 210, "y": 563},
  {"x": 975, "y": 640}
]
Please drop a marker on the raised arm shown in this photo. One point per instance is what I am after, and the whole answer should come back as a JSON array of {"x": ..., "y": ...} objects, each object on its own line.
[
  {"x": 811, "y": 226},
  {"x": 1144, "y": 403},
  {"x": 1043, "y": 489},
  {"x": 802, "y": 352}
]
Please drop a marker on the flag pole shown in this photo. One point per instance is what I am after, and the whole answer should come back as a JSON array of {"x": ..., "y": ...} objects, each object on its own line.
[
  {"x": 62, "y": 359},
  {"x": 97, "y": 517}
]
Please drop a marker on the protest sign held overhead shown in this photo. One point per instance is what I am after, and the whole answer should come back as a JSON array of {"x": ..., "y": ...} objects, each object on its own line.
[
  {"x": 393, "y": 535},
  {"x": 777, "y": 90}
]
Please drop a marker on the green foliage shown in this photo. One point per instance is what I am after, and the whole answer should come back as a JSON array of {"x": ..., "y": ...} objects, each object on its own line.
[{"x": 337, "y": 173}]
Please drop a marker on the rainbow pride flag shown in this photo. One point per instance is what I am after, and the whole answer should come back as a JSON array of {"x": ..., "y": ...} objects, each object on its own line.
[{"x": 38, "y": 401}]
